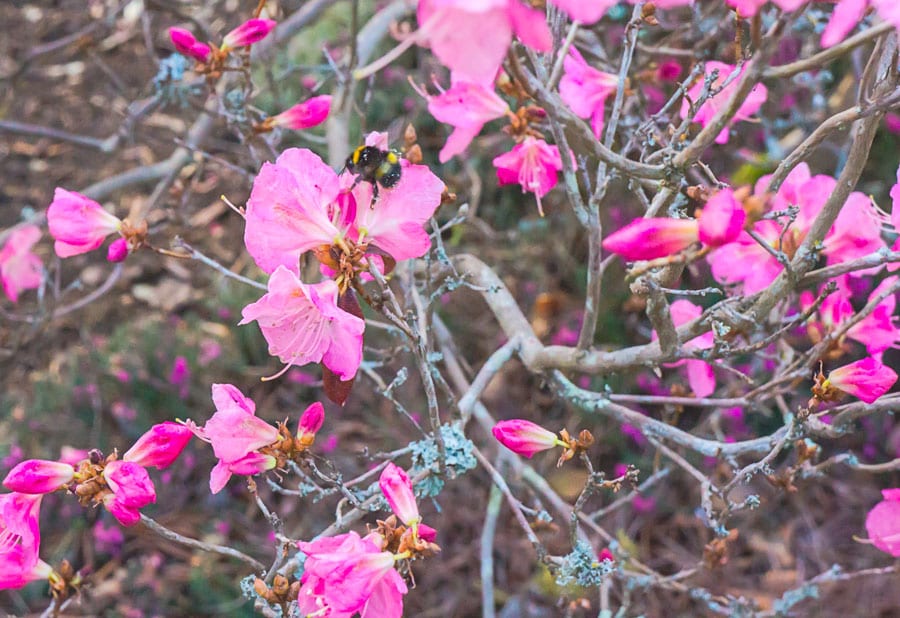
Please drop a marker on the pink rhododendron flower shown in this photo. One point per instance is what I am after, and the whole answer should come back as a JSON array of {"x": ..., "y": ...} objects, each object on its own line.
[
  {"x": 249, "y": 465},
  {"x": 721, "y": 220},
  {"x": 866, "y": 379},
  {"x": 524, "y": 437},
  {"x": 347, "y": 574},
  {"x": 118, "y": 250},
  {"x": 250, "y": 32},
  {"x": 877, "y": 331},
  {"x": 847, "y": 14},
  {"x": 711, "y": 107},
  {"x": 38, "y": 476},
  {"x": 585, "y": 89},
  {"x": 20, "y": 540},
  {"x": 299, "y": 203},
  {"x": 303, "y": 324},
  {"x": 72, "y": 456},
  {"x": 883, "y": 523},
  {"x": 701, "y": 377},
  {"x": 655, "y": 237},
  {"x": 585, "y": 11},
  {"x": 471, "y": 38},
  {"x": 78, "y": 224},
  {"x": 132, "y": 490},
  {"x": 304, "y": 115},
  {"x": 467, "y": 106},
  {"x": 398, "y": 490},
  {"x": 20, "y": 268},
  {"x": 533, "y": 164},
  {"x": 160, "y": 446},
  {"x": 187, "y": 45}
]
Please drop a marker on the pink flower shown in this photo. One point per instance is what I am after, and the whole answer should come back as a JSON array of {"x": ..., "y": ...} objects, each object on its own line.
[
  {"x": 311, "y": 420},
  {"x": 299, "y": 203},
  {"x": 20, "y": 268},
  {"x": 533, "y": 164},
  {"x": 585, "y": 89},
  {"x": 866, "y": 379},
  {"x": 78, "y": 224},
  {"x": 471, "y": 38},
  {"x": 160, "y": 446},
  {"x": 883, "y": 523},
  {"x": 132, "y": 490},
  {"x": 721, "y": 220},
  {"x": 656, "y": 237},
  {"x": 524, "y": 437},
  {"x": 20, "y": 540},
  {"x": 398, "y": 490},
  {"x": 38, "y": 476},
  {"x": 585, "y": 11},
  {"x": 250, "y": 32},
  {"x": 700, "y": 375},
  {"x": 347, "y": 574},
  {"x": 467, "y": 106},
  {"x": 847, "y": 14},
  {"x": 186, "y": 44},
  {"x": 710, "y": 108},
  {"x": 118, "y": 250},
  {"x": 304, "y": 115},
  {"x": 303, "y": 324},
  {"x": 249, "y": 465}
]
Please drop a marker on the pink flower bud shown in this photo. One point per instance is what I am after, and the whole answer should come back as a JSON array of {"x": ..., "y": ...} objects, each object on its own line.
[
  {"x": 160, "y": 446},
  {"x": 38, "y": 476},
  {"x": 427, "y": 533},
  {"x": 606, "y": 554},
  {"x": 648, "y": 239},
  {"x": 131, "y": 484},
  {"x": 118, "y": 251},
  {"x": 883, "y": 523},
  {"x": 304, "y": 115},
  {"x": 77, "y": 223},
  {"x": 867, "y": 379},
  {"x": 311, "y": 420},
  {"x": 524, "y": 437},
  {"x": 186, "y": 44},
  {"x": 722, "y": 219},
  {"x": 397, "y": 488},
  {"x": 248, "y": 33}
]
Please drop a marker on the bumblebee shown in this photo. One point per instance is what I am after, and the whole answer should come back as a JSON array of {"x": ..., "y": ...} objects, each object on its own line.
[{"x": 375, "y": 166}]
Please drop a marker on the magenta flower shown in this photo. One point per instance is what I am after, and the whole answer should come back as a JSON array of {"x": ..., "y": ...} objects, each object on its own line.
[
  {"x": 586, "y": 11},
  {"x": 160, "y": 446},
  {"x": 250, "y": 32},
  {"x": 311, "y": 420},
  {"x": 187, "y": 45},
  {"x": 585, "y": 89},
  {"x": 78, "y": 223},
  {"x": 721, "y": 220},
  {"x": 304, "y": 115},
  {"x": 883, "y": 523},
  {"x": 398, "y": 490},
  {"x": 299, "y": 203},
  {"x": 467, "y": 106},
  {"x": 38, "y": 476},
  {"x": 118, "y": 250},
  {"x": 710, "y": 108},
  {"x": 347, "y": 574},
  {"x": 132, "y": 490},
  {"x": 471, "y": 38},
  {"x": 656, "y": 237},
  {"x": 533, "y": 164},
  {"x": 866, "y": 379},
  {"x": 303, "y": 324},
  {"x": 20, "y": 540},
  {"x": 524, "y": 437},
  {"x": 20, "y": 268}
]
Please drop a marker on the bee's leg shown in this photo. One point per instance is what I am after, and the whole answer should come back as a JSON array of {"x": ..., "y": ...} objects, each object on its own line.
[{"x": 374, "y": 194}]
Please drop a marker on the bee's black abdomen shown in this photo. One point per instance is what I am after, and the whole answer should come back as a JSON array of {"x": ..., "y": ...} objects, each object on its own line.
[{"x": 375, "y": 166}]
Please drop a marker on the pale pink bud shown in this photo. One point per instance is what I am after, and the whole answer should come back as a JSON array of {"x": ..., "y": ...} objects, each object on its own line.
[
  {"x": 78, "y": 223},
  {"x": 606, "y": 554},
  {"x": 118, "y": 251},
  {"x": 160, "y": 446},
  {"x": 131, "y": 484},
  {"x": 722, "y": 219},
  {"x": 883, "y": 523},
  {"x": 304, "y": 115},
  {"x": 311, "y": 420},
  {"x": 186, "y": 44},
  {"x": 397, "y": 489},
  {"x": 73, "y": 456},
  {"x": 38, "y": 476},
  {"x": 648, "y": 239},
  {"x": 867, "y": 379},
  {"x": 524, "y": 437},
  {"x": 248, "y": 33}
]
